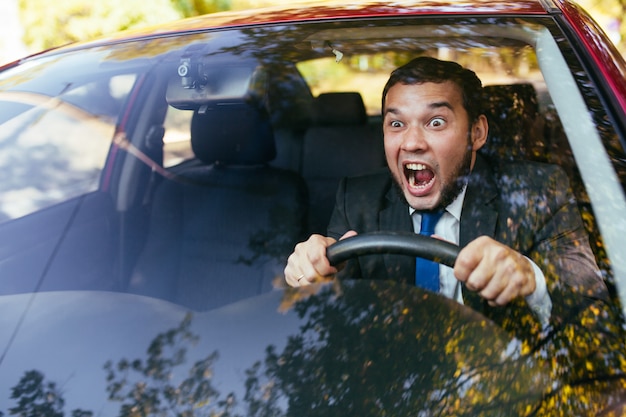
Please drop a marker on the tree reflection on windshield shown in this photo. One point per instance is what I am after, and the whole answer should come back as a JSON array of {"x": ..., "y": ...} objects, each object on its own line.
[{"x": 368, "y": 348}]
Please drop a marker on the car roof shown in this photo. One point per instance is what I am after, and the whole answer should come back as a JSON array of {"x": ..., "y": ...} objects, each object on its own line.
[
  {"x": 322, "y": 10},
  {"x": 332, "y": 10}
]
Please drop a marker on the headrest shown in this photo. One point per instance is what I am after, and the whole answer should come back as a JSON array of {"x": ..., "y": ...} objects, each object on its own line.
[
  {"x": 234, "y": 132},
  {"x": 520, "y": 99},
  {"x": 515, "y": 128},
  {"x": 345, "y": 108}
]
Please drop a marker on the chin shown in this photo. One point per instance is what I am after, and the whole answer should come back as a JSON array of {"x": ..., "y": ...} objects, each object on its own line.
[{"x": 421, "y": 203}]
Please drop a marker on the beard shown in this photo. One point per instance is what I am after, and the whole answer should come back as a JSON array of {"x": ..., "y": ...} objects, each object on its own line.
[
  {"x": 452, "y": 186},
  {"x": 460, "y": 177}
]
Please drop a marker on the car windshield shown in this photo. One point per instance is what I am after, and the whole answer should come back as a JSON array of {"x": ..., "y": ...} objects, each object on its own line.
[{"x": 154, "y": 189}]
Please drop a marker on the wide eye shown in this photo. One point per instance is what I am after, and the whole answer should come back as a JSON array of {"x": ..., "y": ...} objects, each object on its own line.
[
  {"x": 396, "y": 124},
  {"x": 437, "y": 122}
]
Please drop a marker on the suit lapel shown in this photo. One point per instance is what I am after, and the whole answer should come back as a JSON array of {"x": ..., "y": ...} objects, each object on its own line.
[
  {"x": 395, "y": 217},
  {"x": 479, "y": 216}
]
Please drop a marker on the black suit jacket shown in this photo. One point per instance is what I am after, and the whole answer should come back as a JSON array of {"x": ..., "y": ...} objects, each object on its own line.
[{"x": 526, "y": 205}]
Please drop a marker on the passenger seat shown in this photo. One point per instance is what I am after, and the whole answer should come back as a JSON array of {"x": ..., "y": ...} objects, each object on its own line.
[{"x": 222, "y": 230}]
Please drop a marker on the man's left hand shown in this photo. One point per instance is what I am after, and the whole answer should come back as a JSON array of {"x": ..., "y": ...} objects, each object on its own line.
[{"x": 493, "y": 270}]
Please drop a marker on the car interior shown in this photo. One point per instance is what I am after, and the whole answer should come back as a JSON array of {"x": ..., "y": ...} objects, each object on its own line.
[
  {"x": 224, "y": 206},
  {"x": 236, "y": 181},
  {"x": 235, "y": 155}
]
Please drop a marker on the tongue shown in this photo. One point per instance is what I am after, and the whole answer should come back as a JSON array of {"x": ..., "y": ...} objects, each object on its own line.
[{"x": 423, "y": 176}]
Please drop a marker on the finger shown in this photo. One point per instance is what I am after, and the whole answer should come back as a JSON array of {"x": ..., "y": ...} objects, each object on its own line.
[
  {"x": 515, "y": 278},
  {"x": 299, "y": 279},
  {"x": 317, "y": 264},
  {"x": 502, "y": 295},
  {"x": 296, "y": 263},
  {"x": 349, "y": 233},
  {"x": 302, "y": 281},
  {"x": 498, "y": 285},
  {"x": 480, "y": 265},
  {"x": 292, "y": 274},
  {"x": 496, "y": 290},
  {"x": 468, "y": 260},
  {"x": 441, "y": 238},
  {"x": 480, "y": 277},
  {"x": 308, "y": 263}
]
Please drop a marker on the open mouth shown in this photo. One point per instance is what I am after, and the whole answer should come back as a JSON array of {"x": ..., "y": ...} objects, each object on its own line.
[{"x": 419, "y": 175}]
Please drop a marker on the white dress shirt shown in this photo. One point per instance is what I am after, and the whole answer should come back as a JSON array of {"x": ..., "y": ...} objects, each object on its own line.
[{"x": 448, "y": 228}]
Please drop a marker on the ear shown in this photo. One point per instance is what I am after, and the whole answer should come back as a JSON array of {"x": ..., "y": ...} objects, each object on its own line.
[{"x": 480, "y": 130}]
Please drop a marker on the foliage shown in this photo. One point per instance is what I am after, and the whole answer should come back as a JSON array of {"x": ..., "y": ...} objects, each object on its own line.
[
  {"x": 37, "y": 398},
  {"x": 373, "y": 349},
  {"x": 615, "y": 9},
  {"x": 189, "y": 8},
  {"x": 51, "y": 24},
  {"x": 148, "y": 387}
]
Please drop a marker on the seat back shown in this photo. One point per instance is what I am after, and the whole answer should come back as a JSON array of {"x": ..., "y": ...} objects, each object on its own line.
[
  {"x": 224, "y": 231},
  {"x": 516, "y": 128},
  {"x": 290, "y": 104},
  {"x": 232, "y": 133},
  {"x": 519, "y": 129},
  {"x": 341, "y": 143}
]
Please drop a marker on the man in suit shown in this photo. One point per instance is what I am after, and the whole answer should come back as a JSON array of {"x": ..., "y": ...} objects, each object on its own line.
[{"x": 523, "y": 242}]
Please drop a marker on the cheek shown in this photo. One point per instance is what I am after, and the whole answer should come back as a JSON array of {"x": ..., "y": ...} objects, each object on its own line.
[
  {"x": 450, "y": 158},
  {"x": 391, "y": 154},
  {"x": 391, "y": 145}
]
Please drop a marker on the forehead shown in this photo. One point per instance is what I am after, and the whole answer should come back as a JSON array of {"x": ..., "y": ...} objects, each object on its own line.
[{"x": 424, "y": 95}]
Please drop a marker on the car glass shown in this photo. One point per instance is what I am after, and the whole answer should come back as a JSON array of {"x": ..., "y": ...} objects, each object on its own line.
[
  {"x": 178, "y": 173},
  {"x": 55, "y": 147}
]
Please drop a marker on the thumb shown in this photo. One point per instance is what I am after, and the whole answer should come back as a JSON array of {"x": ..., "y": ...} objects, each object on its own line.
[
  {"x": 441, "y": 238},
  {"x": 348, "y": 234}
]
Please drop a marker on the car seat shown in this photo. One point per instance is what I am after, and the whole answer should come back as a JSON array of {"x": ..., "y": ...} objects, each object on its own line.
[
  {"x": 222, "y": 229},
  {"x": 519, "y": 129},
  {"x": 516, "y": 128},
  {"x": 339, "y": 144}
]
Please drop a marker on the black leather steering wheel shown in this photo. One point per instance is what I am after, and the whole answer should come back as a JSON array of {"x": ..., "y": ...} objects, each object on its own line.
[{"x": 410, "y": 244}]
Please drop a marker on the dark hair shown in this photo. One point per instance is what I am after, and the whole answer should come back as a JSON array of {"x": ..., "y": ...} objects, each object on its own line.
[{"x": 425, "y": 69}]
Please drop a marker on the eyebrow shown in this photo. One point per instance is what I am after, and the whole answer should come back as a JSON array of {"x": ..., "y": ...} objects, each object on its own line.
[
  {"x": 439, "y": 104},
  {"x": 435, "y": 105},
  {"x": 391, "y": 110}
]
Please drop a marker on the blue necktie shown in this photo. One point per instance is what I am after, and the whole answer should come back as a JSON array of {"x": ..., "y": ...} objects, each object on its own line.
[{"x": 427, "y": 272}]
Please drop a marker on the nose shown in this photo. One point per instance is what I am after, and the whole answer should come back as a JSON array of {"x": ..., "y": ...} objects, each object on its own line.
[{"x": 414, "y": 140}]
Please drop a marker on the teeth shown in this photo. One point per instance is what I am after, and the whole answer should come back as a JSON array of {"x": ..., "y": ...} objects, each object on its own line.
[{"x": 416, "y": 167}]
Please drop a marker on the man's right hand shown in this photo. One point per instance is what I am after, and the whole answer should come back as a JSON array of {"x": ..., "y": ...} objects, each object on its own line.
[{"x": 308, "y": 262}]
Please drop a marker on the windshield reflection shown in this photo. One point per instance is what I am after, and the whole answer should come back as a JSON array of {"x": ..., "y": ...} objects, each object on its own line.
[
  {"x": 359, "y": 348},
  {"x": 369, "y": 348}
]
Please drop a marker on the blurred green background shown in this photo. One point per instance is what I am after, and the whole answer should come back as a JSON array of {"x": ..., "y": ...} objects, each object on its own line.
[{"x": 28, "y": 26}]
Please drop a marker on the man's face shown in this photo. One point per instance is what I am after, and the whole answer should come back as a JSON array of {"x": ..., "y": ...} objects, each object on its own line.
[{"x": 429, "y": 142}]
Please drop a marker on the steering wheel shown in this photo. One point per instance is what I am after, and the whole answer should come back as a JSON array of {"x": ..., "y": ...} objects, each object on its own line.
[{"x": 410, "y": 244}]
